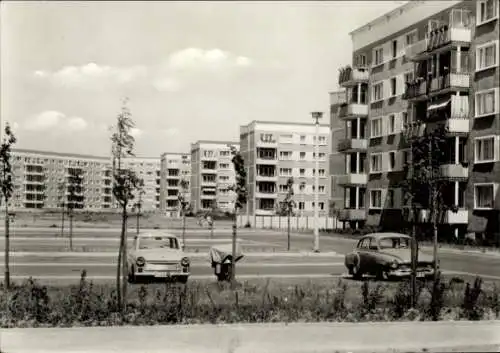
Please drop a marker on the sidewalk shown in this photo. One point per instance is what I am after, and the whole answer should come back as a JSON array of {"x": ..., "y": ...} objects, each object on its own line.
[{"x": 263, "y": 338}]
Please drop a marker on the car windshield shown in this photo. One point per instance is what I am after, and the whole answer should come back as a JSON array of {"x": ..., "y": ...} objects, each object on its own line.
[
  {"x": 394, "y": 243},
  {"x": 158, "y": 242}
]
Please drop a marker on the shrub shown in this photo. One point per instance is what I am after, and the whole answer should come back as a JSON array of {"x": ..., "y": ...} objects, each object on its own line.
[
  {"x": 471, "y": 310},
  {"x": 437, "y": 299}
]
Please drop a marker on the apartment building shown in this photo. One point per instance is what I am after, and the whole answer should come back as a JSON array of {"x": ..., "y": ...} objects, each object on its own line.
[
  {"x": 175, "y": 169},
  {"x": 423, "y": 64},
  {"x": 336, "y": 157},
  {"x": 42, "y": 180},
  {"x": 274, "y": 152},
  {"x": 149, "y": 170},
  {"x": 212, "y": 172}
]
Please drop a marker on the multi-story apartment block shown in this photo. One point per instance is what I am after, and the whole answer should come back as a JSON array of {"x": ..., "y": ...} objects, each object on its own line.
[
  {"x": 212, "y": 172},
  {"x": 336, "y": 158},
  {"x": 175, "y": 169},
  {"x": 274, "y": 152},
  {"x": 423, "y": 64},
  {"x": 147, "y": 169},
  {"x": 42, "y": 180}
]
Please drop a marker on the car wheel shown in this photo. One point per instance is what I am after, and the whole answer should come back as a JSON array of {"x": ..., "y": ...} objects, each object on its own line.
[
  {"x": 382, "y": 275},
  {"x": 356, "y": 268}
]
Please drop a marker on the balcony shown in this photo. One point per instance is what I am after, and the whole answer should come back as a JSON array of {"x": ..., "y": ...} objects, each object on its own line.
[
  {"x": 208, "y": 171},
  {"x": 352, "y": 145},
  {"x": 208, "y": 197},
  {"x": 457, "y": 126},
  {"x": 444, "y": 38},
  {"x": 350, "y": 214},
  {"x": 268, "y": 161},
  {"x": 353, "y": 110},
  {"x": 209, "y": 183},
  {"x": 337, "y": 98},
  {"x": 416, "y": 90},
  {"x": 352, "y": 179},
  {"x": 350, "y": 77},
  {"x": 208, "y": 157},
  {"x": 454, "y": 171},
  {"x": 172, "y": 197},
  {"x": 450, "y": 82},
  {"x": 459, "y": 217},
  {"x": 415, "y": 51},
  {"x": 266, "y": 177}
]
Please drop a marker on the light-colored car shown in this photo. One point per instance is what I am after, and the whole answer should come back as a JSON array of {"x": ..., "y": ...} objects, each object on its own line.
[
  {"x": 157, "y": 255},
  {"x": 386, "y": 255}
]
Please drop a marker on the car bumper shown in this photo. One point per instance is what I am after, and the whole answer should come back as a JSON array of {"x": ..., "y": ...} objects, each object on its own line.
[
  {"x": 161, "y": 274},
  {"x": 401, "y": 273}
]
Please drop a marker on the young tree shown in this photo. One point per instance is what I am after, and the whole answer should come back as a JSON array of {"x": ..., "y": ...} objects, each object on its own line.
[
  {"x": 183, "y": 205},
  {"x": 138, "y": 204},
  {"x": 423, "y": 189},
  {"x": 125, "y": 182},
  {"x": 239, "y": 188},
  {"x": 7, "y": 188},
  {"x": 61, "y": 192},
  {"x": 75, "y": 197},
  {"x": 287, "y": 207}
]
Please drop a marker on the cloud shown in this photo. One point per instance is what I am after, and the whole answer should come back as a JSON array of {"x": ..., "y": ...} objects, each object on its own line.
[
  {"x": 197, "y": 58},
  {"x": 92, "y": 73},
  {"x": 54, "y": 120}
]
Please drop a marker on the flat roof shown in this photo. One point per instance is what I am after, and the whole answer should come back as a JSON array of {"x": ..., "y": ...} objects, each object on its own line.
[
  {"x": 379, "y": 19},
  {"x": 283, "y": 123},
  {"x": 59, "y": 154},
  {"x": 215, "y": 142}
]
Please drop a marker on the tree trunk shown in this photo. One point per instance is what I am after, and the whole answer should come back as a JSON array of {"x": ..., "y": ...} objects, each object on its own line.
[
  {"x": 414, "y": 262},
  {"x": 71, "y": 230},
  {"x": 124, "y": 257},
  {"x": 435, "y": 250},
  {"x": 138, "y": 215},
  {"x": 183, "y": 228},
  {"x": 288, "y": 231},
  {"x": 118, "y": 271},
  {"x": 233, "y": 257},
  {"x": 62, "y": 221},
  {"x": 7, "y": 246}
]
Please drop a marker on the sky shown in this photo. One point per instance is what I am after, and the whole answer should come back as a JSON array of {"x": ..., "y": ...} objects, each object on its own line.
[{"x": 190, "y": 70}]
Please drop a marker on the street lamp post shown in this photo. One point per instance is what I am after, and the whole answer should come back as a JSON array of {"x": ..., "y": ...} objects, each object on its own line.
[{"x": 316, "y": 116}]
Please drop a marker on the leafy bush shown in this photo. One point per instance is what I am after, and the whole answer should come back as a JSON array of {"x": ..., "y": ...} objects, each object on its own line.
[{"x": 86, "y": 304}]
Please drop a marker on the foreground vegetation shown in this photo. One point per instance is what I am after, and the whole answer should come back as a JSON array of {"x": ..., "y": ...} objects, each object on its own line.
[{"x": 86, "y": 304}]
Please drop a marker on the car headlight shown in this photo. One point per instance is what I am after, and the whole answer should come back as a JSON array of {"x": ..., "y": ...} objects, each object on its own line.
[
  {"x": 140, "y": 261},
  {"x": 394, "y": 264},
  {"x": 185, "y": 262}
]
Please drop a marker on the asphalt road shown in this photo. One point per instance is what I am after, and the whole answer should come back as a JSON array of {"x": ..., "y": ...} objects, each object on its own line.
[{"x": 44, "y": 254}]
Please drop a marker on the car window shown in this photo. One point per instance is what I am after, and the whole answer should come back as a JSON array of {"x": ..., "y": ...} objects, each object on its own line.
[
  {"x": 373, "y": 244},
  {"x": 394, "y": 243},
  {"x": 363, "y": 244},
  {"x": 158, "y": 243}
]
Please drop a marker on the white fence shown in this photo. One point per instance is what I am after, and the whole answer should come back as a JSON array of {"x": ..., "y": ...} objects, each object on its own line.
[{"x": 296, "y": 222}]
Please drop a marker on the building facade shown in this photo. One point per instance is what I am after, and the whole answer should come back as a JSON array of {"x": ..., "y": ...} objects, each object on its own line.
[
  {"x": 43, "y": 180},
  {"x": 425, "y": 64},
  {"x": 175, "y": 179},
  {"x": 212, "y": 172},
  {"x": 274, "y": 152}
]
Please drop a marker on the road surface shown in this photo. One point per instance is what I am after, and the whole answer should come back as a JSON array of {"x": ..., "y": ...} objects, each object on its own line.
[{"x": 43, "y": 254}]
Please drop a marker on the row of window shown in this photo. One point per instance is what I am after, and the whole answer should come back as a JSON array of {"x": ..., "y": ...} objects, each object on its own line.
[
  {"x": 484, "y": 197},
  {"x": 303, "y": 188},
  {"x": 293, "y": 139},
  {"x": 303, "y": 172},
  {"x": 303, "y": 156}
]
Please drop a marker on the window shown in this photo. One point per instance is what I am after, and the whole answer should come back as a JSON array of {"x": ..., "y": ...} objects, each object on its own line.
[
  {"x": 224, "y": 153},
  {"x": 378, "y": 55},
  {"x": 486, "y": 149},
  {"x": 360, "y": 61},
  {"x": 484, "y": 195},
  {"x": 392, "y": 124},
  {"x": 301, "y": 205},
  {"x": 302, "y": 138},
  {"x": 393, "y": 86},
  {"x": 302, "y": 172},
  {"x": 376, "y": 127},
  {"x": 286, "y": 138},
  {"x": 302, "y": 155},
  {"x": 486, "y": 102},
  {"x": 283, "y": 188},
  {"x": 302, "y": 186},
  {"x": 406, "y": 120},
  {"x": 487, "y": 55},
  {"x": 487, "y": 10},
  {"x": 285, "y": 171},
  {"x": 375, "y": 198},
  {"x": 321, "y": 188},
  {"x": 394, "y": 48},
  {"x": 390, "y": 198},
  {"x": 322, "y": 156},
  {"x": 410, "y": 38},
  {"x": 392, "y": 160},
  {"x": 409, "y": 76},
  {"x": 376, "y": 163},
  {"x": 285, "y": 155},
  {"x": 321, "y": 172},
  {"x": 322, "y": 140},
  {"x": 321, "y": 206},
  {"x": 377, "y": 92},
  {"x": 406, "y": 157}
]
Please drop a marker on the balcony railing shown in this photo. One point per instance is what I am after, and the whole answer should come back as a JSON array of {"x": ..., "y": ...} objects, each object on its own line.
[
  {"x": 459, "y": 217},
  {"x": 352, "y": 144},
  {"x": 338, "y": 97},
  {"x": 266, "y": 177},
  {"x": 415, "y": 89},
  {"x": 458, "y": 125},
  {"x": 451, "y": 80},
  {"x": 349, "y": 76},
  {"x": 352, "y": 179},
  {"x": 349, "y": 214},
  {"x": 454, "y": 171},
  {"x": 442, "y": 36},
  {"x": 413, "y": 51},
  {"x": 265, "y": 195},
  {"x": 353, "y": 109}
]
